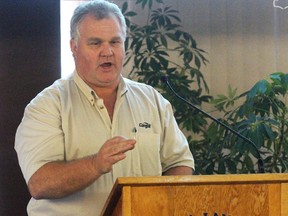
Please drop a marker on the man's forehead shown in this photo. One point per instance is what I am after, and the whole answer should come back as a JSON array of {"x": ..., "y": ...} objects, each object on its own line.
[
  {"x": 96, "y": 29},
  {"x": 91, "y": 18}
]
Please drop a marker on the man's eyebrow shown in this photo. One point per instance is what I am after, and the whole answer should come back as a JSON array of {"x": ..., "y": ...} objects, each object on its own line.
[
  {"x": 116, "y": 38},
  {"x": 94, "y": 39},
  {"x": 99, "y": 39}
]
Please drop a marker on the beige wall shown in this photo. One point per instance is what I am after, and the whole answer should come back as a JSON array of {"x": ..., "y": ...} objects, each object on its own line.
[{"x": 245, "y": 39}]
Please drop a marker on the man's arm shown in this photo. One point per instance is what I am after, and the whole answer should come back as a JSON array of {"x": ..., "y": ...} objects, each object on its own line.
[
  {"x": 179, "y": 170},
  {"x": 60, "y": 179}
]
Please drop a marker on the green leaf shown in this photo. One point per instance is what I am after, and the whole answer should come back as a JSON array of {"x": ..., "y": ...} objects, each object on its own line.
[
  {"x": 130, "y": 14},
  {"x": 269, "y": 132},
  {"x": 221, "y": 167},
  {"x": 163, "y": 41},
  {"x": 276, "y": 77},
  {"x": 124, "y": 7},
  {"x": 231, "y": 166},
  {"x": 210, "y": 168},
  {"x": 249, "y": 163},
  {"x": 259, "y": 88}
]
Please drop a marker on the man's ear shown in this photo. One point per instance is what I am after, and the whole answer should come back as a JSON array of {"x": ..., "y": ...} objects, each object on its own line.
[{"x": 73, "y": 46}]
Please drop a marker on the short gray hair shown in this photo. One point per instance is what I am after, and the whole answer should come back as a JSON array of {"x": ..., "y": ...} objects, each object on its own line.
[{"x": 100, "y": 9}]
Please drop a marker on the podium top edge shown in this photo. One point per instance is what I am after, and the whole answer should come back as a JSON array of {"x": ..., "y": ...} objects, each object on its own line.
[{"x": 237, "y": 178}]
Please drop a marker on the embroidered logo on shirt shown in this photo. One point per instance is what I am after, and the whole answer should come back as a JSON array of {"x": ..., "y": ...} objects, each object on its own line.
[{"x": 145, "y": 125}]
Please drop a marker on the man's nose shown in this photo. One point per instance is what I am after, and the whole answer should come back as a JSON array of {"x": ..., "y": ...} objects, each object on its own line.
[{"x": 106, "y": 51}]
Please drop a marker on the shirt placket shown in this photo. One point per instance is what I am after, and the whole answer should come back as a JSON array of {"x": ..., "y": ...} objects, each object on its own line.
[
  {"x": 103, "y": 113},
  {"x": 116, "y": 171}
]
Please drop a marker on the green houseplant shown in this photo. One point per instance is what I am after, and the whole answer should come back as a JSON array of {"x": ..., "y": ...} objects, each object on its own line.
[
  {"x": 150, "y": 46},
  {"x": 261, "y": 117}
]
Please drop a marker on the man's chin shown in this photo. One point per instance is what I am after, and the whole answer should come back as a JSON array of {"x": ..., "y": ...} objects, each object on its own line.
[{"x": 109, "y": 82}]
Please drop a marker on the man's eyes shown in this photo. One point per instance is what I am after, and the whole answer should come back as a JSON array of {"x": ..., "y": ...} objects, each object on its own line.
[
  {"x": 95, "y": 43},
  {"x": 98, "y": 43},
  {"x": 115, "y": 42}
]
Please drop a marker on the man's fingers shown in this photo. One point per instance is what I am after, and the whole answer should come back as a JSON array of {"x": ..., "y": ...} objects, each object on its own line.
[
  {"x": 118, "y": 151},
  {"x": 122, "y": 147}
]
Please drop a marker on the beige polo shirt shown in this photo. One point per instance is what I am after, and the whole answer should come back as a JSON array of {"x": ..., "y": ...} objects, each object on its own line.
[{"x": 68, "y": 121}]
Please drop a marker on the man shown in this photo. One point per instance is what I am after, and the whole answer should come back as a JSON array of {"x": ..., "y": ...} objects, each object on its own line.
[{"x": 81, "y": 133}]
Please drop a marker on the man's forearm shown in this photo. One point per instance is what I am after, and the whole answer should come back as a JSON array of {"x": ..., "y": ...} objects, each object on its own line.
[
  {"x": 60, "y": 179},
  {"x": 179, "y": 170}
]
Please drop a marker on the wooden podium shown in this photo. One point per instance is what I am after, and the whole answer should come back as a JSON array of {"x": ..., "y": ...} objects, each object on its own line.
[{"x": 200, "y": 195}]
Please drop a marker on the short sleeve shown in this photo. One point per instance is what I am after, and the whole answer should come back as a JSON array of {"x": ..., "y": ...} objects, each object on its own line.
[
  {"x": 39, "y": 138},
  {"x": 175, "y": 149}
]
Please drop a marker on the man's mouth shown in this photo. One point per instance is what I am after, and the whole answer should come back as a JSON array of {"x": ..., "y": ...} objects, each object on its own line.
[{"x": 106, "y": 64}]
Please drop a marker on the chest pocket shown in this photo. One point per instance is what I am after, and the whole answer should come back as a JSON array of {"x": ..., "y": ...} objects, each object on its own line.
[{"x": 145, "y": 158}]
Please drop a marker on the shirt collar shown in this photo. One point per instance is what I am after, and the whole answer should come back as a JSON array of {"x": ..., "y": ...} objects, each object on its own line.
[
  {"x": 122, "y": 88},
  {"x": 90, "y": 94}
]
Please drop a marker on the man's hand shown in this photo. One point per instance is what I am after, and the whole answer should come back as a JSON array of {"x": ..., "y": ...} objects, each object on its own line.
[{"x": 111, "y": 152}]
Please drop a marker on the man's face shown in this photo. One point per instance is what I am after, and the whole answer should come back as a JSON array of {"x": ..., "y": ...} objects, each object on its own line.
[{"x": 99, "y": 51}]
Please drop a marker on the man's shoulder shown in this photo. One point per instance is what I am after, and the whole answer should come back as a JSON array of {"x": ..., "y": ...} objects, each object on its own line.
[
  {"x": 143, "y": 90},
  {"x": 59, "y": 85},
  {"x": 55, "y": 90},
  {"x": 135, "y": 84}
]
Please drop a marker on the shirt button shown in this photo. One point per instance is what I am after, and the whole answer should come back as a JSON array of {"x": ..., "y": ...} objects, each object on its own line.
[{"x": 101, "y": 107}]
